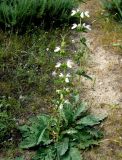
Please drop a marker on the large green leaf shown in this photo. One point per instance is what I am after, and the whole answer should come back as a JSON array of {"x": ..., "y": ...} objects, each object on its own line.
[
  {"x": 63, "y": 146},
  {"x": 67, "y": 113},
  {"x": 75, "y": 98},
  {"x": 90, "y": 120},
  {"x": 88, "y": 143},
  {"x": 35, "y": 132},
  {"x": 42, "y": 137},
  {"x": 82, "y": 108},
  {"x": 75, "y": 154},
  {"x": 95, "y": 132},
  {"x": 45, "y": 154},
  {"x": 66, "y": 157},
  {"x": 29, "y": 138}
]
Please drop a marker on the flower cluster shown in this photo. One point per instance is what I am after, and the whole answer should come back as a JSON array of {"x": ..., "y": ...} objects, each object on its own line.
[
  {"x": 74, "y": 12},
  {"x": 65, "y": 72},
  {"x": 81, "y": 15},
  {"x": 63, "y": 75}
]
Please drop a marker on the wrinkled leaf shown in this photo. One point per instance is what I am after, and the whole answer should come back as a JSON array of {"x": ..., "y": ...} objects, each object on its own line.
[
  {"x": 35, "y": 132},
  {"x": 90, "y": 120},
  {"x": 75, "y": 154},
  {"x": 75, "y": 98},
  {"x": 95, "y": 133},
  {"x": 82, "y": 108},
  {"x": 66, "y": 157},
  {"x": 28, "y": 142},
  {"x": 63, "y": 146},
  {"x": 67, "y": 113},
  {"x": 45, "y": 154},
  {"x": 88, "y": 143},
  {"x": 42, "y": 137}
]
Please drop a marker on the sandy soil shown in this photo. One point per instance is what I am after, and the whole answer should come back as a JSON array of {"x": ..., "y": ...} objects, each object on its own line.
[{"x": 104, "y": 93}]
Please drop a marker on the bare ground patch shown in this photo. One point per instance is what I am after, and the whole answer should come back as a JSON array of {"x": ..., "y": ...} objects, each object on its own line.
[{"x": 104, "y": 93}]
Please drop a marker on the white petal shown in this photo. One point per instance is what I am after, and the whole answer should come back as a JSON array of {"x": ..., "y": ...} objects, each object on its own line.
[
  {"x": 47, "y": 49},
  {"x": 58, "y": 91},
  {"x": 74, "y": 26},
  {"x": 61, "y": 106},
  {"x": 87, "y": 26},
  {"x": 73, "y": 12},
  {"x": 57, "y": 49},
  {"x": 68, "y": 75},
  {"x": 66, "y": 101},
  {"x": 54, "y": 73},
  {"x": 69, "y": 63},
  {"x": 67, "y": 80},
  {"x": 67, "y": 89},
  {"x": 61, "y": 75},
  {"x": 87, "y": 14},
  {"x": 73, "y": 41},
  {"x": 58, "y": 64},
  {"x": 82, "y": 15},
  {"x": 78, "y": 10}
]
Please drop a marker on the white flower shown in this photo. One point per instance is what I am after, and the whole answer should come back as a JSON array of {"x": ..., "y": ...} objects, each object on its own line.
[
  {"x": 73, "y": 12},
  {"x": 68, "y": 75},
  {"x": 58, "y": 64},
  {"x": 67, "y": 89},
  {"x": 82, "y": 15},
  {"x": 87, "y": 26},
  {"x": 54, "y": 73},
  {"x": 61, "y": 106},
  {"x": 61, "y": 75},
  {"x": 69, "y": 63},
  {"x": 66, "y": 101},
  {"x": 47, "y": 49},
  {"x": 21, "y": 97},
  {"x": 74, "y": 26},
  {"x": 61, "y": 96},
  {"x": 58, "y": 91},
  {"x": 78, "y": 10},
  {"x": 57, "y": 49},
  {"x": 67, "y": 80},
  {"x": 87, "y": 14},
  {"x": 73, "y": 41}
]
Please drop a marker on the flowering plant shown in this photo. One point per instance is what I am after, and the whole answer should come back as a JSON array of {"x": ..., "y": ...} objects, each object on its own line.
[
  {"x": 81, "y": 15},
  {"x": 60, "y": 136}
]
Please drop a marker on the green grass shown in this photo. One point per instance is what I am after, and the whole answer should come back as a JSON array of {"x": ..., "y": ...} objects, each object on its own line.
[
  {"x": 22, "y": 12},
  {"x": 114, "y": 7}
]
